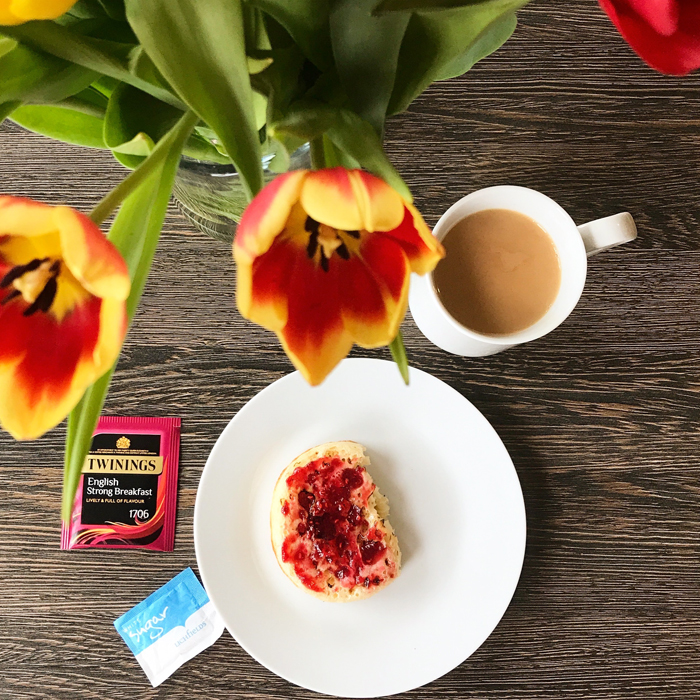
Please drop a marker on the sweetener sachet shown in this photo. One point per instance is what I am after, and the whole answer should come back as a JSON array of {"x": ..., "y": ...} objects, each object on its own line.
[{"x": 171, "y": 626}]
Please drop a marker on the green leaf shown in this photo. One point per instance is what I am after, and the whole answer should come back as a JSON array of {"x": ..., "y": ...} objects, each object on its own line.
[
  {"x": 106, "y": 85},
  {"x": 307, "y": 23},
  {"x": 254, "y": 29},
  {"x": 129, "y": 161},
  {"x": 35, "y": 77},
  {"x": 114, "y": 9},
  {"x": 135, "y": 121},
  {"x": 86, "y": 9},
  {"x": 438, "y": 43},
  {"x": 279, "y": 81},
  {"x": 141, "y": 66},
  {"x": 398, "y": 352},
  {"x": 141, "y": 145},
  {"x": 6, "y": 45},
  {"x": 62, "y": 124},
  {"x": 280, "y": 155},
  {"x": 201, "y": 149},
  {"x": 490, "y": 40},
  {"x": 135, "y": 232},
  {"x": 334, "y": 157},
  {"x": 6, "y": 108},
  {"x": 199, "y": 48},
  {"x": 257, "y": 65},
  {"x": 366, "y": 52},
  {"x": 89, "y": 101},
  {"x": 351, "y": 134},
  {"x": 124, "y": 62}
]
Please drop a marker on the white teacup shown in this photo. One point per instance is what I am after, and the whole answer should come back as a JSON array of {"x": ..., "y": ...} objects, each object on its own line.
[{"x": 573, "y": 245}]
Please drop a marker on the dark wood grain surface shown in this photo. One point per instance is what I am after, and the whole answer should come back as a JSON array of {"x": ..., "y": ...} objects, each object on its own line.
[{"x": 601, "y": 417}]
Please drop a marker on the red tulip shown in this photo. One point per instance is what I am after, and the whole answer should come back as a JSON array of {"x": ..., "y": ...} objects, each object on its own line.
[
  {"x": 63, "y": 288},
  {"x": 324, "y": 258},
  {"x": 665, "y": 33}
]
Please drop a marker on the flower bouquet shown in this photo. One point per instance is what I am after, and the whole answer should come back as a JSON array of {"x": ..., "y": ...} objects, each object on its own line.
[{"x": 323, "y": 256}]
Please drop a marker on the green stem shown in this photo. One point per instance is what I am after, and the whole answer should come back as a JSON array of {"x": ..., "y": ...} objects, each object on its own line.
[
  {"x": 72, "y": 427},
  {"x": 82, "y": 422},
  {"x": 398, "y": 352},
  {"x": 318, "y": 158},
  {"x": 113, "y": 200},
  {"x": 83, "y": 418}
]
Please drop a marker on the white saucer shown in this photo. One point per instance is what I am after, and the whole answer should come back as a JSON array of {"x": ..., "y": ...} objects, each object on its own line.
[{"x": 456, "y": 506}]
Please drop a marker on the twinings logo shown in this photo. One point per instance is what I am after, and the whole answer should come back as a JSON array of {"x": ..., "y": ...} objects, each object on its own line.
[
  {"x": 123, "y": 443},
  {"x": 111, "y": 464}
]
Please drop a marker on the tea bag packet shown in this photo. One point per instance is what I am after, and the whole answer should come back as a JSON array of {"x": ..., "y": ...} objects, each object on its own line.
[
  {"x": 127, "y": 494},
  {"x": 171, "y": 626}
]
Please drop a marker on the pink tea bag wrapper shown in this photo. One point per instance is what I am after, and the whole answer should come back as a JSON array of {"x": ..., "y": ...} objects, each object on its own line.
[{"x": 127, "y": 494}]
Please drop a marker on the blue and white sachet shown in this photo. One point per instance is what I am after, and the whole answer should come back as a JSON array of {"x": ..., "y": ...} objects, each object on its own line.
[{"x": 171, "y": 626}]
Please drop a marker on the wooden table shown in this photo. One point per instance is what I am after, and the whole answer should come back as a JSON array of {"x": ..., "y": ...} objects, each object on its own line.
[{"x": 600, "y": 417}]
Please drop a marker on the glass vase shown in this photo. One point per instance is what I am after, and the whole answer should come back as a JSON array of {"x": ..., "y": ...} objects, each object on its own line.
[{"x": 211, "y": 195}]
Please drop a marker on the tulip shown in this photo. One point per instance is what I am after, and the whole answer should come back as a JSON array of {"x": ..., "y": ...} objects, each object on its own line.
[
  {"x": 18, "y": 11},
  {"x": 324, "y": 259},
  {"x": 664, "y": 33},
  {"x": 63, "y": 288}
]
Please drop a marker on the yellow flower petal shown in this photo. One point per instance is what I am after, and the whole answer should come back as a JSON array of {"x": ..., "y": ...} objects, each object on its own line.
[
  {"x": 328, "y": 197},
  {"x": 17, "y": 11},
  {"x": 266, "y": 216},
  {"x": 25, "y": 217},
  {"x": 381, "y": 206},
  {"x": 351, "y": 200},
  {"x": 92, "y": 259},
  {"x": 315, "y": 361}
]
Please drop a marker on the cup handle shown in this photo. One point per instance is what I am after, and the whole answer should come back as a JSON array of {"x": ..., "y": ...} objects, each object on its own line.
[{"x": 603, "y": 234}]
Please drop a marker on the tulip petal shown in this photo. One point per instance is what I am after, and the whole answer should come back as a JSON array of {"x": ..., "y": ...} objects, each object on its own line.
[
  {"x": 20, "y": 250},
  {"x": 661, "y": 15},
  {"x": 314, "y": 337},
  {"x": 114, "y": 324},
  {"x": 25, "y": 10},
  {"x": 374, "y": 292},
  {"x": 46, "y": 364},
  {"x": 266, "y": 216},
  {"x": 351, "y": 200},
  {"x": 90, "y": 257},
  {"x": 666, "y": 36},
  {"x": 261, "y": 290},
  {"x": 381, "y": 205},
  {"x": 6, "y": 17},
  {"x": 328, "y": 197},
  {"x": 424, "y": 251},
  {"x": 25, "y": 217}
]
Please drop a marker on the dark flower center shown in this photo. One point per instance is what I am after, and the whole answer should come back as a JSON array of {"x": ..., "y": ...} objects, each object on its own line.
[
  {"x": 325, "y": 240},
  {"x": 35, "y": 282}
]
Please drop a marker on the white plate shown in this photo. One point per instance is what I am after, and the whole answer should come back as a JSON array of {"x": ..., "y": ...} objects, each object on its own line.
[{"x": 456, "y": 506}]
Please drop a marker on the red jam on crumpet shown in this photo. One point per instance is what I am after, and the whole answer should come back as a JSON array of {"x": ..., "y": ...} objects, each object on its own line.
[{"x": 330, "y": 529}]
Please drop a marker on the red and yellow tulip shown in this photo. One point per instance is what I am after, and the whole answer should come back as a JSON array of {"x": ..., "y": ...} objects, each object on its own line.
[
  {"x": 324, "y": 259},
  {"x": 19, "y": 11},
  {"x": 63, "y": 288}
]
